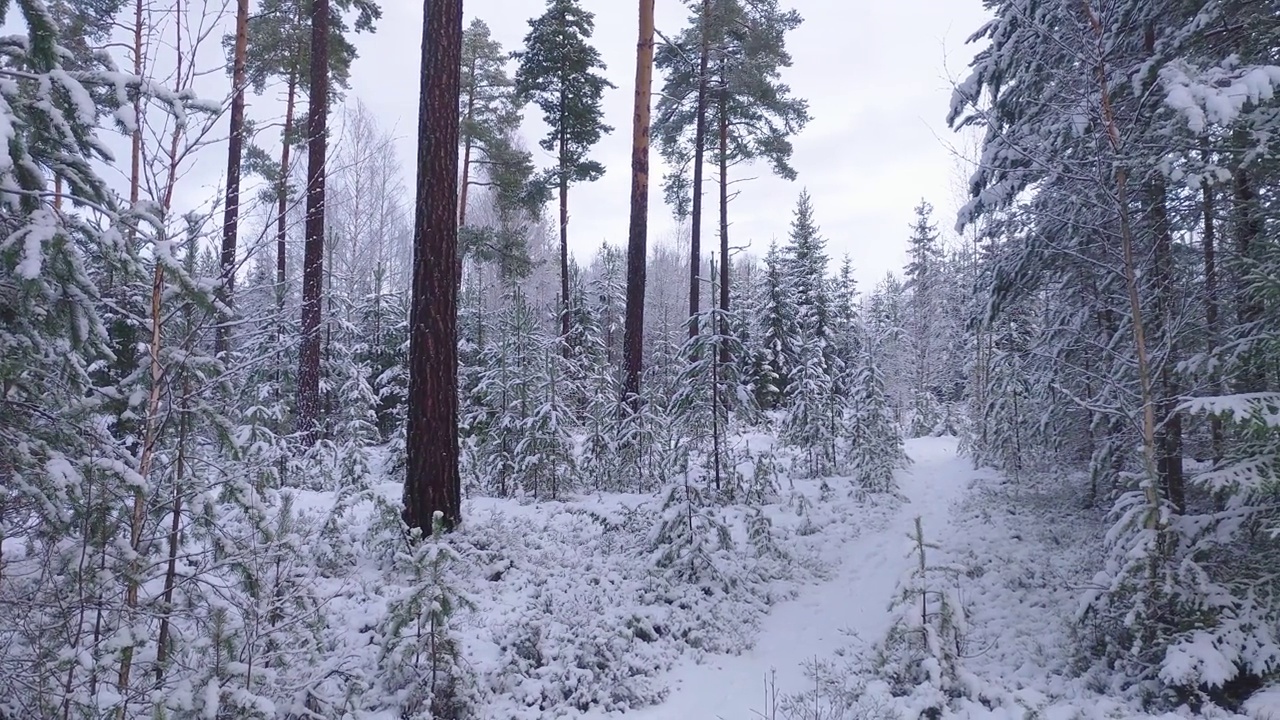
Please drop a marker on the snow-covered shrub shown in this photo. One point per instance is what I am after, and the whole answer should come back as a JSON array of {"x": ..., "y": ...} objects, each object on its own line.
[
  {"x": 420, "y": 668},
  {"x": 922, "y": 652},
  {"x": 836, "y": 691},
  {"x": 691, "y": 542},
  {"x": 576, "y": 647},
  {"x": 1186, "y": 603},
  {"x": 928, "y": 416},
  {"x": 875, "y": 446}
]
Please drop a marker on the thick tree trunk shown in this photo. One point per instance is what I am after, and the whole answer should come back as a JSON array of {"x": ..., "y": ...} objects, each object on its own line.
[
  {"x": 235, "y": 152},
  {"x": 313, "y": 252},
  {"x": 699, "y": 153},
  {"x": 432, "y": 483},
  {"x": 724, "y": 213},
  {"x": 637, "y": 250}
]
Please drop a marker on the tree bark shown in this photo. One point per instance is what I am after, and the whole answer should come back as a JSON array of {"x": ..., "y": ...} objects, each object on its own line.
[
  {"x": 724, "y": 213},
  {"x": 564, "y": 254},
  {"x": 1170, "y": 465},
  {"x": 699, "y": 152},
  {"x": 637, "y": 251},
  {"x": 1211, "y": 307},
  {"x": 464, "y": 189},
  {"x": 282, "y": 193},
  {"x": 313, "y": 252},
  {"x": 235, "y": 152},
  {"x": 432, "y": 481}
]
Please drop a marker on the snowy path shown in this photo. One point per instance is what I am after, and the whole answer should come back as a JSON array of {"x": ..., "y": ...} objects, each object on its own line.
[{"x": 855, "y": 599}]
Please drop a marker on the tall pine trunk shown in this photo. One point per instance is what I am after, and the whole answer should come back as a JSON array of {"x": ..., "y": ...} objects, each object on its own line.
[
  {"x": 465, "y": 188},
  {"x": 432, "y": 482},
  {"x": 699, "y": 153},
  {"x": 1153, "y": 519},
  {"x": 564, "y": 255},
  {"x": 235, "y": 152},
  {"x": 637, "y": 250},
  {"x": 282, "y": 193},
  {"x": 724, "y": 212},
  {"x": 313, "y": 252}
]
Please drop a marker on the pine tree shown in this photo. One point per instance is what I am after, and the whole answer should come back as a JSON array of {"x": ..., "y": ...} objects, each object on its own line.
[
  {"x": 432, "y": 481},
  {"x": 489, "y": 112},
  {"x": 279, "y": 47},
  {"x": 560, "y": 73},
  {"x": 637, "y": 240},
  {"x": 754, "y": 112}
]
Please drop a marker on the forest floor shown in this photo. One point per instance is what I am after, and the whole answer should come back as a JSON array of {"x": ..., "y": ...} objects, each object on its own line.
[
  {"x": 774, "y": 611},
  {"x": 1021, "y": 586},
  {"x": 824, "y": 619}
]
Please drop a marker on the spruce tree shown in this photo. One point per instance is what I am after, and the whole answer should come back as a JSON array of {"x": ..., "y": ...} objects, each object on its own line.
[
  {"x": 560, "y": 72},
  {"x": 923, "y": 277},
  {"x": 807, "y": 268},
  {"x": 779, "y": 329}
]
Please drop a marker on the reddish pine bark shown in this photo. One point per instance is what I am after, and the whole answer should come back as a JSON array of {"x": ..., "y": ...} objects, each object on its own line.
[
  {"x": 432, "y": 481},
  {"x": 313, "y": 251},
  {"x": 637, "y": 252}
]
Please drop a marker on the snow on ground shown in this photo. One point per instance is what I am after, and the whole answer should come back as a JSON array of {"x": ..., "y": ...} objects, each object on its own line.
[
  {"x": 824, "y": 618},
  {"x": 573, "y": 619}
]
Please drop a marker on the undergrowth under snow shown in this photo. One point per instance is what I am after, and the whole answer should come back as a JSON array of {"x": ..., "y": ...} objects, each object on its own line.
[{"x": 577, "y": 605}]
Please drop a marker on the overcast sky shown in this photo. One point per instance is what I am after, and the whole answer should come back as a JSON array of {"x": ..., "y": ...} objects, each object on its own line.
[{"x": 877, "y": 75}]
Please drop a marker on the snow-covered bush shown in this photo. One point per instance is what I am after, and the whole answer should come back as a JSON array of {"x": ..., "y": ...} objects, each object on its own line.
[
  {"x": 420, "y": 666},
  {"x": 923, "y": 650}
]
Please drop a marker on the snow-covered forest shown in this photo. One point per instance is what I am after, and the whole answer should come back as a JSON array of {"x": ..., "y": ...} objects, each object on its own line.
[{"x": 351, "y": 437}]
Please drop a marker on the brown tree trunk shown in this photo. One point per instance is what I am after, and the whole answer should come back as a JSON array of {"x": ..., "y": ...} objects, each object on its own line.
[
  {"x": 432, "y": 482},
  {"x": 724, "y": 213},
  {"x": 235, "y": 152},
  {"x": 466, "y": 152},
  {"x": 637, "y": 250},
  {"x": 699, "y": 152},
  {"x": 282, "y": 194},
  {"x": 313, "y": 252}
]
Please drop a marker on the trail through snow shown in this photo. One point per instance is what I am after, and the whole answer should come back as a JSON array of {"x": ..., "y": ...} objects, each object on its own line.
[{"x": 819, "y": 621}]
